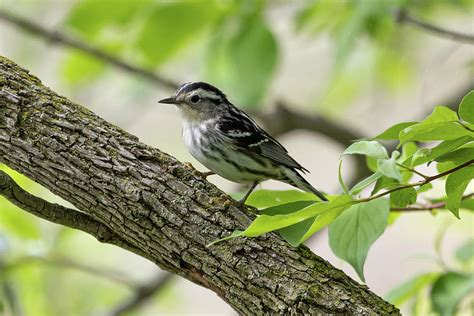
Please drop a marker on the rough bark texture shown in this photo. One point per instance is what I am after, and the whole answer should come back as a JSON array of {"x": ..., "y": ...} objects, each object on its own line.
[{"x": 161, "y": 208}]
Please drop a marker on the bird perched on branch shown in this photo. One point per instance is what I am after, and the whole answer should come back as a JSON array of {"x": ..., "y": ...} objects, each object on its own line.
[{"x": 229, "y": 143}]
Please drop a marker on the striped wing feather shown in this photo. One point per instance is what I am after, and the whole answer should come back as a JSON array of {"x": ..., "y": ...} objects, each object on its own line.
[{"x": 245, "y": 134}]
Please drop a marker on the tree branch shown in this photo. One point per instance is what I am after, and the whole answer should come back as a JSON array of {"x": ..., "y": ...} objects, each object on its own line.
[
  {"x": 157, "y": 205},
  {"x": 67, "y": 263},
  {"x": 142, "y": 294},
  {"x": 402, "y": 16},
  {"x": 59, "y": 214},
  {"x": 56, "y": 37}
]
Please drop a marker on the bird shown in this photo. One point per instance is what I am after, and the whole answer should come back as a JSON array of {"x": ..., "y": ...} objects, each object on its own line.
[{"x": 230, "y": 144}]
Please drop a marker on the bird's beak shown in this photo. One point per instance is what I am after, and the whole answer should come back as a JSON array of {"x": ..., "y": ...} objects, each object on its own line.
[{"x": 168, "y": 101}]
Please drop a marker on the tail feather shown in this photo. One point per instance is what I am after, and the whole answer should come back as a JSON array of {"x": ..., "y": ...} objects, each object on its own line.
[{"x": 296, "y": 180}]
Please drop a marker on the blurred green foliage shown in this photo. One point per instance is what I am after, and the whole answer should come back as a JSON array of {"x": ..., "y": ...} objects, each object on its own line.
[{"x": 240, "y": 51}]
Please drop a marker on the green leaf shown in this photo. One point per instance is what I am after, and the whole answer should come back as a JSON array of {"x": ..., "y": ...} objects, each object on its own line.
[
  {"x": 456, "y": 184},
  {"x": 445, "y": 166},
  {"x": 392, "y": 133},
  {"x": 266, "y": 223},
  {"x": 170, "y": 26},
  {"x": 424, "y": 154},
  {"x": 368, "y": 148},
  {"x": 243, "y": 49},
  {"x": 410, "y": 288},
  {"x": 441, "y": 124},
  {"x": 440, "y": 114},
  {"x": 408, "y": 150},
  {"x": 435, "y": 131},
  {"x": 448, "y": 291},
  {"x": 79, "y": 67},
  {"x": 403, "y": 197},
  {"x": 283, "y": 216},
  {"x": 235, "y": 233},
  {"x": 458, "y": 156},
  {"x": 320, "y": 222},
  {"x": 466, "y": 108},
  {"x": 365, "y": 183},
  {"x": 385, "y": 183},
  {"x": 468, "y": 204},
  {"x": 356, "y": 229},
  {"x": 392, "y": 217},
  {"x": 466, "y": 252},
  {"x": 292, "y": 234},
  {"x": 389, "y": 168},
  {"x": 265, "y": 198},
  {"x": 424, "y": 188},
  {"x": 90, "y": 17},
  {"x": 371, "y": 163}
]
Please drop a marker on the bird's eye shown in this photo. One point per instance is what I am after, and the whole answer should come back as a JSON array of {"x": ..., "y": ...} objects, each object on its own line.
[{"x": 195, "y": 98}]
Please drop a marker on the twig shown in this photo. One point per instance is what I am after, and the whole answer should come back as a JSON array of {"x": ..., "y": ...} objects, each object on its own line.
[
  {"x": 60, "y": 214},
  {"x": 413, "y": 170},
  {"x": 402, "y": 16},
  {"x": 67, "y": 40},
  {"x": 142, "y": 294},
  {"x": 419, "y": 183},
  {"x": 427, "y": 207}
]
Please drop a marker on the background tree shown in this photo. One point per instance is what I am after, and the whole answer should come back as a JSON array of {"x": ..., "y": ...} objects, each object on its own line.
[{"x": 378, "y": 52}]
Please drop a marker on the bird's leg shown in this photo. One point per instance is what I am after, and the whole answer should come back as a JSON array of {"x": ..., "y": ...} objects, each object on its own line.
[
  {"x": 252, "y": 187},
  {"x": 203, "y": 175}
]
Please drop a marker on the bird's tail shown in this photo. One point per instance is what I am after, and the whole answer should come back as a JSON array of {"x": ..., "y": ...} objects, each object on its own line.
[{"x": 296, "y": 180}]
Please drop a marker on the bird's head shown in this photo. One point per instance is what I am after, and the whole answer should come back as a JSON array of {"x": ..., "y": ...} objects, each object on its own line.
[{"x": 198, "y": 100}]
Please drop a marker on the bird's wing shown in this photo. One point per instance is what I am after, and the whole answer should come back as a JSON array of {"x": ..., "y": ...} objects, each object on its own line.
[{"x": 245, "y": 134}]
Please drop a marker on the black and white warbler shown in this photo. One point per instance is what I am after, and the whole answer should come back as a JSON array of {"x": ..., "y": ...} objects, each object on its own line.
[{"x": 229, "y": 143}]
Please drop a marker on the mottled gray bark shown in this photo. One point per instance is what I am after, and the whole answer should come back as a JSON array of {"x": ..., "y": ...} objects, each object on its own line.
[{"x": 160, "y": 208}]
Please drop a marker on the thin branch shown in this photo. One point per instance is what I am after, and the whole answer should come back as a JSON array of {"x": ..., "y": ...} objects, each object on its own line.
[
  {"x": 60, "y": 214},
  {"x": 142, "y": 294},
  {"x": 427, "y": 207},
  {"x": 402, "y": 16},
  {"x": 413, "y": 170},
  {"x": 67, "y": 263},
  {"x": 419, "y": 183},
  {"x": 56, "y": 37}
]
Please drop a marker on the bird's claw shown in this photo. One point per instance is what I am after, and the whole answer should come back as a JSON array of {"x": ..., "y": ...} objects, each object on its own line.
[
  {"x": 204, "y": 175},
  {"x": 200, "y": 174}
]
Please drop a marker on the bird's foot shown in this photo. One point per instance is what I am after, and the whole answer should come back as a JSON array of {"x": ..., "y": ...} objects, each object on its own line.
[
  {"x": 200, "y": 174},
  {"x": 204, "y": 175}
]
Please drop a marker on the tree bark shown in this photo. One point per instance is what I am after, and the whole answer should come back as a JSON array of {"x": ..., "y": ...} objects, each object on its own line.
[{"x": 160, "y": 208}]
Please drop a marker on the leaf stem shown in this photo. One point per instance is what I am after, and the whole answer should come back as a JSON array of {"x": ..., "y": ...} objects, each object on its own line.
[
  {"x": 413, "y": 170},
  {"x": 419, "y": 183}
]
